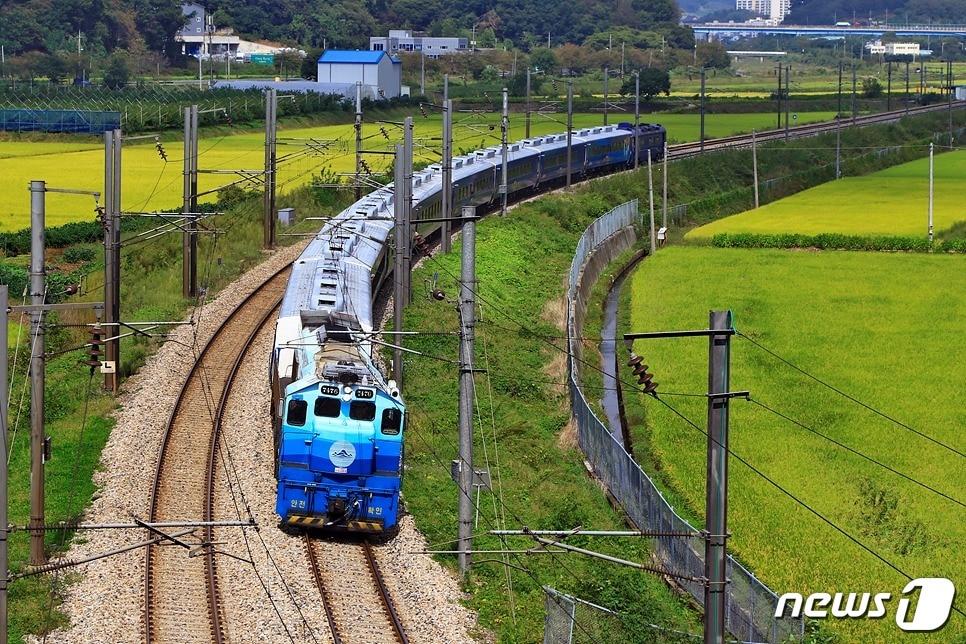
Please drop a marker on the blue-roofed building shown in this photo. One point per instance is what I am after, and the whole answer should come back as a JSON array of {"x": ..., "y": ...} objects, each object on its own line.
[{"x": 376, "y": 70}]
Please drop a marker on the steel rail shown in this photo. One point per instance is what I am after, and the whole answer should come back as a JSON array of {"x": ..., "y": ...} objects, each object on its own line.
[
  {"x": 196, "y": 371},
  {"x": 397, "y": 625}
]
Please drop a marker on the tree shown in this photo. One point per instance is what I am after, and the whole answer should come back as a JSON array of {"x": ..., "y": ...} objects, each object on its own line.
[
  {"x": 871, "y": 88},
  {"x": 117, "y": 73},
  {"x": 653, "y": 82},
  {"x": 543, "y": 59},
  {"x": 711, "y": 53}
]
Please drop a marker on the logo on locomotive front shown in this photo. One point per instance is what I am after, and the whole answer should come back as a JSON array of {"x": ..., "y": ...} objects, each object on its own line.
[{"x": 342, "y": 453}]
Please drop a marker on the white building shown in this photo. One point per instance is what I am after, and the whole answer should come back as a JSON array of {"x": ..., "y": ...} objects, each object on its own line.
[
  {"x": 902, "y": 49},
  {"x": 405, "y": 40},
  {"x": 199, "y": 37},
  {"x": 875, "y": 48},
  {"x": 376, "y": 70},
  {"x": 775, "y": 10}
]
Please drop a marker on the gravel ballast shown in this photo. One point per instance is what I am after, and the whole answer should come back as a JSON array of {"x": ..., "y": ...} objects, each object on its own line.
[{"x": 105, "y": 605}]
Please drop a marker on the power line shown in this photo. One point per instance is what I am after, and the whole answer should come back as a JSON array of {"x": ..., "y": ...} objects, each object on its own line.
[
  {"x": 855, "y": 451},
  {"x": 848, "y": 396}
]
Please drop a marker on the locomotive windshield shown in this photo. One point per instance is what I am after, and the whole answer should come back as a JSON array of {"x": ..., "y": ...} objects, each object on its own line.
[
  {"x": 362, "y": 410},
  {"x": 328, "y": 407},
  {"x": 297, "y": 410}
]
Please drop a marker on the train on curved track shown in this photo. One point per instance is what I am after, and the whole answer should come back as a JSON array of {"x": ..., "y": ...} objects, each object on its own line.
[{"x": 339, "y": 423}]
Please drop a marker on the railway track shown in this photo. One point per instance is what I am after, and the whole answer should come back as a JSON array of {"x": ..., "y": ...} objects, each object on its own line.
[
  {"x": 350, "y": 585},
  {"x": 182, "y": 602},
  {"x": 690, "y": 149}
]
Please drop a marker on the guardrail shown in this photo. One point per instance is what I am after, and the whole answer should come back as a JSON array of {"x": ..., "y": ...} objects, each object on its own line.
[{"x": 750, "y": 604}]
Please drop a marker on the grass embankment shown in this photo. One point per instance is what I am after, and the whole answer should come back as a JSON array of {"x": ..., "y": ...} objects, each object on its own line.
[
  {"x": 893, "y": 201},
  {"x": 884, "y": 327},
  {"x": 150, "y": 291},
  {"x": 149, "y": 182},
  {"x": 522, "y": 426}
]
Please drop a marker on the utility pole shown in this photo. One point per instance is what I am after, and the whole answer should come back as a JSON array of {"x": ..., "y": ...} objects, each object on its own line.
[
  {"x": 422, "y": 74},
  {"x": 271, "y": 105},
  {"x": 650, "y": 201},
  {"x": 399, "y": 213},
  {"x": 754, "y": 163},
  {"x": 664, "y": 178},
  {"x": 467, "y": 322},
  {"x": 838, "y": 148},
  {"x": 838, "y": 113},
  {"x": 570, "y": 128},
  {"x": 527, "y": 133},
  {"x": 446, "y": 196},
  {"x": 854, "y": 112},
  {"x": 112, "y": 249},
  {"x": 358, "y": 128},
  {"x": 504, "y": 130},
  {"x": 702, "y": 108},
  {"x": 788, "y": 96},
  {"x": 889, "y": 88},
  {"x": 931, "y": 183},
  {"x": 907, "y": 87},
  {"x": 606, "y": 77},
  {"x": 637, "y": 118},
  {"x": 950, "y": 88},
  {"x": 189, "y": 207},
  {"x": 716, "y": 513},
  {"x": 38, "y": 289},
  {"x": 4, "y": 522},
  {"x": 780, "y": 90}
]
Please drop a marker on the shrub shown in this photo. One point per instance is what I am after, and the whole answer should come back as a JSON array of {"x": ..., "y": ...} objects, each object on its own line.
[
  {"x": 835, "y": 241},
  {"x": 79, "y": 254}
]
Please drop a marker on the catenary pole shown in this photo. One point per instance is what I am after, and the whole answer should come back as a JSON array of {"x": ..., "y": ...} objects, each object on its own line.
[
  {"x": 951, "y": 89},
  {"x": 664, "y": 189},
  {"x": 606, "y": 78},
  {"x": 788, "y": 96},
  {"x": 780, "y": 91},
  {"x": 467, "y": 322},
  {"x": 907, "y": 87},
  {"x": 570, "y": 128},
  {"x": 637, "y": 119},
  {"x": 889, "y": 87},
  {"x": 854, "y": 112},
  {"x": 446, "y": 196},
  {"x": 110, "y": 280},
  {"x": 358, "y": 131},
  {"x": 716, "y": 512},
  {"x": 38, "y": 289},
  {"x": 527, "y": 133},
  {"x": 271, "y": 105},
  {"x": 702, "y": 108},
  {"x": 931, "y": 184},
  {"x": 650, "y": 200},
  {"x": 754, "y": 163},
  {"x": 504, "y": 131},
  {"x": 407, "y": 210},
  {"x": 189, "y": 238},
  {"x": 4, "y": 522},
  {"x": 114, "y": 346},
  {"x": 399, "y": 212}
]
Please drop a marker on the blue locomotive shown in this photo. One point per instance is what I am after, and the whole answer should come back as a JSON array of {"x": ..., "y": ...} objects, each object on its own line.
[{"x": 339, "y": 424}]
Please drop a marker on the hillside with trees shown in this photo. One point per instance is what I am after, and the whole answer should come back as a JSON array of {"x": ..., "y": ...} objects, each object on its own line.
[{"x": 48, "y": 27}]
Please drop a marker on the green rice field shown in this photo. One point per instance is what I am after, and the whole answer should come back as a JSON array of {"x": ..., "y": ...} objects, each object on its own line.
[
  {"x": 887, "y": 328},
  {"x": 893, "y": 201},
  {"x": 150, "y": 183}
]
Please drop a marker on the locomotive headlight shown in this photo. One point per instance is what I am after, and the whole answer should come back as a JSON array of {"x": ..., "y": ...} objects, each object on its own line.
[{"x": 347, "y": 390}]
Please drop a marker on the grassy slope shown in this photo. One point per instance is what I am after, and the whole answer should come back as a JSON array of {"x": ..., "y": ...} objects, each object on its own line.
[
  {"x": 885, "y": 328},
  {"x": 890, "y": 202},
  {"x": 151, "y": 290},
  {"x": 150, "y": 183},
  {"x": 545, "y": 484}
]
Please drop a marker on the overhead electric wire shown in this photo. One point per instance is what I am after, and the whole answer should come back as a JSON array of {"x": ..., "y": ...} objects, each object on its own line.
[
  {"x": 842, "y": 393},
  {"x": 855, "y": 451}
]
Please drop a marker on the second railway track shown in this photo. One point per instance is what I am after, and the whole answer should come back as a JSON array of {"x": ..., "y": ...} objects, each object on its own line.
[
  {"x": 350, "y": 586},
  {"x": 182, "y": 602}
]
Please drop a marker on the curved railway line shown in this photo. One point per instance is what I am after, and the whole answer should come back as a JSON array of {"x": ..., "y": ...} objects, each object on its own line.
[
  {"x": 350, "y": 611},
  {"x": 182, "y": 601}
]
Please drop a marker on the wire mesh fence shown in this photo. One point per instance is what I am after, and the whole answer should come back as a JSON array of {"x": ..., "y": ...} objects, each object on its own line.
[
  {"x": 750, "y": 605},
  {"x": 75, "y": 121}
]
